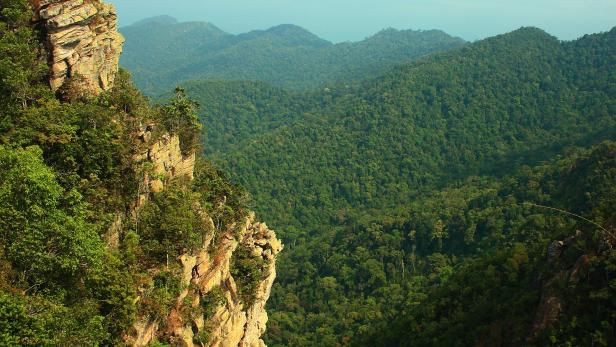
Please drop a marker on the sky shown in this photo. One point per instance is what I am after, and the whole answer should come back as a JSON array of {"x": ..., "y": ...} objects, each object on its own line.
[{"x": 353, "y": 20}]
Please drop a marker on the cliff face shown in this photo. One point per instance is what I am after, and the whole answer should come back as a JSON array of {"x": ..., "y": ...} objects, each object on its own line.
[
  {"x": 166, "y": 158},
  {"x": 232, "y": 322},
  {"x": 82, "y": 41},
  {"x": 83, "y": 47}
]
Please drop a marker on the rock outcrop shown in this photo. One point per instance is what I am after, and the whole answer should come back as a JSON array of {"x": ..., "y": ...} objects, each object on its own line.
[
  {"x": 83, "y": 42},
  {"x": 552, "y": 304},
  {"x": 233, "y": 323},
  {"x": 165, "y": 158}
]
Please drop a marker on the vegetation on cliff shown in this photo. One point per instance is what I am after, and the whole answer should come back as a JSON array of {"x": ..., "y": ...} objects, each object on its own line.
[{"x": 68, "y": 173}]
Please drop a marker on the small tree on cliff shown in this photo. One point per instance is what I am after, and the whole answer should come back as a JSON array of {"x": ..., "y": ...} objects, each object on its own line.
[{"x": 180, "y": 117}]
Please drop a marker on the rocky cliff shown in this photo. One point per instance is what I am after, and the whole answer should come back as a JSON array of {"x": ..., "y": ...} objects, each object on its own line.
[
  {"x": 231, "y": 321},
  {"x": 82, "y": 42},
  {"x": 213, "y": 305}
]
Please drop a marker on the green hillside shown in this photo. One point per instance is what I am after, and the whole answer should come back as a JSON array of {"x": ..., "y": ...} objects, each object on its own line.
[
  {"x": 514, "y": 99},
  {"x": 466, "y": 264},
  {"x": 349, "y": 174}
]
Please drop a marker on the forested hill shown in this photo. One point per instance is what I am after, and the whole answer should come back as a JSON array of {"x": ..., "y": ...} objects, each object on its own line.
[
  {"x": 161, "y": 53},
  {"x": 329, "y": 164},
  {"x": 513, "y": 99},
  {"x": 476, "y": 264}
]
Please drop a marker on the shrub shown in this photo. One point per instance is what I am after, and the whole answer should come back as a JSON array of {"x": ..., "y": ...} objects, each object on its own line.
[
  {"x": 170, "y": 225},
  {"x": 160, "y": 298},
  {"x": 211, "y": 300},
  {"x": 247, "y": 271}
]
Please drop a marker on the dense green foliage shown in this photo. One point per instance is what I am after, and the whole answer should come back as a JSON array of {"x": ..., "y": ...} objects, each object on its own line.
[
  {"x": 225, "y": 202},
  {"x": 487, "y": 108},
  {"x": 182, "y": 119},
  {"x": 493, "y": 295},
  {"x": 78, "y": 262},
  {"x": 170, "y": 225},
  {"x": 418, "y": 208},
  {"x": 459, "y": 266},
  {"x": 247, "y": 271},
  {"x": 52, "y": 251},
  {"x": 349, "y": 176},
  {"x": 161, "y": 53},
  {"x": 212, "y": 300}
]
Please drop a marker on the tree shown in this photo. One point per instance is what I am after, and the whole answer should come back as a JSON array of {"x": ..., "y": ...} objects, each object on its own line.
[
  {"x": 180, "y": 117},
  {"x": 43, "y": 229}
]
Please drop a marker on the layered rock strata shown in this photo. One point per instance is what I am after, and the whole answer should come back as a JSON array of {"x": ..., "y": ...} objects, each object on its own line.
[
  {"x": 165, "y": 159},
  {"x": 83, "y": 42}
]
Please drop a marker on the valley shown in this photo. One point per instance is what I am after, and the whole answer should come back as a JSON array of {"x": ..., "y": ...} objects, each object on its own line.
[
  {"x": 170, "y": 183},
  {"x": 391, "y": 189}
]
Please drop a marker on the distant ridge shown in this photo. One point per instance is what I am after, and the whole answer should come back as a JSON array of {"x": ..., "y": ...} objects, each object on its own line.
[
  {"x": 163, "y": 20},
  {"x": 290, "y": 34},
  {"x": 162, "y": 52}
]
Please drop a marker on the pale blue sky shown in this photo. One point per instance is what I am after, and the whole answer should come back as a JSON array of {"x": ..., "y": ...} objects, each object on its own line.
[{"x": 351, "y": 20}]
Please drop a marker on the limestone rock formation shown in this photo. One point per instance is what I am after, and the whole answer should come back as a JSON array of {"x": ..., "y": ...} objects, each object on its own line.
[
  {"x": 233, "y": 323},
  {"x": 166, "y": 159},
  {"x": 83, "y": 42}
]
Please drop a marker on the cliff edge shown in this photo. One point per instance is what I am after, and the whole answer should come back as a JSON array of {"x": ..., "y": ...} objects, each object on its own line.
[
  {"x": 213, "y": 289},
  {"x": 211, "y": 309}
]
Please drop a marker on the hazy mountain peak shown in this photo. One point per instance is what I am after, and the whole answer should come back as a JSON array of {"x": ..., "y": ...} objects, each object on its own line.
[
  {"x": 168, "y": 21},
  {"x": 289, "y": 28},
  {"x": 521, "y": 39},
  {"x": 387, "y": 31},
  {"x": 393, "y": 33},
  {"x": 162, "y": 20},
  {"x": 531, "y": 32},
  {"x": 204, "y": 26},
  {"x": 287, "y": 35}
]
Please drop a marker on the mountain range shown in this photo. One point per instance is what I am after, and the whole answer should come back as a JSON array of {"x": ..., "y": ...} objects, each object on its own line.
[
  {"x": 162, "y": 53},
  {"x": 426, "y": 191},
  {"x": 364, "y": 179}
]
